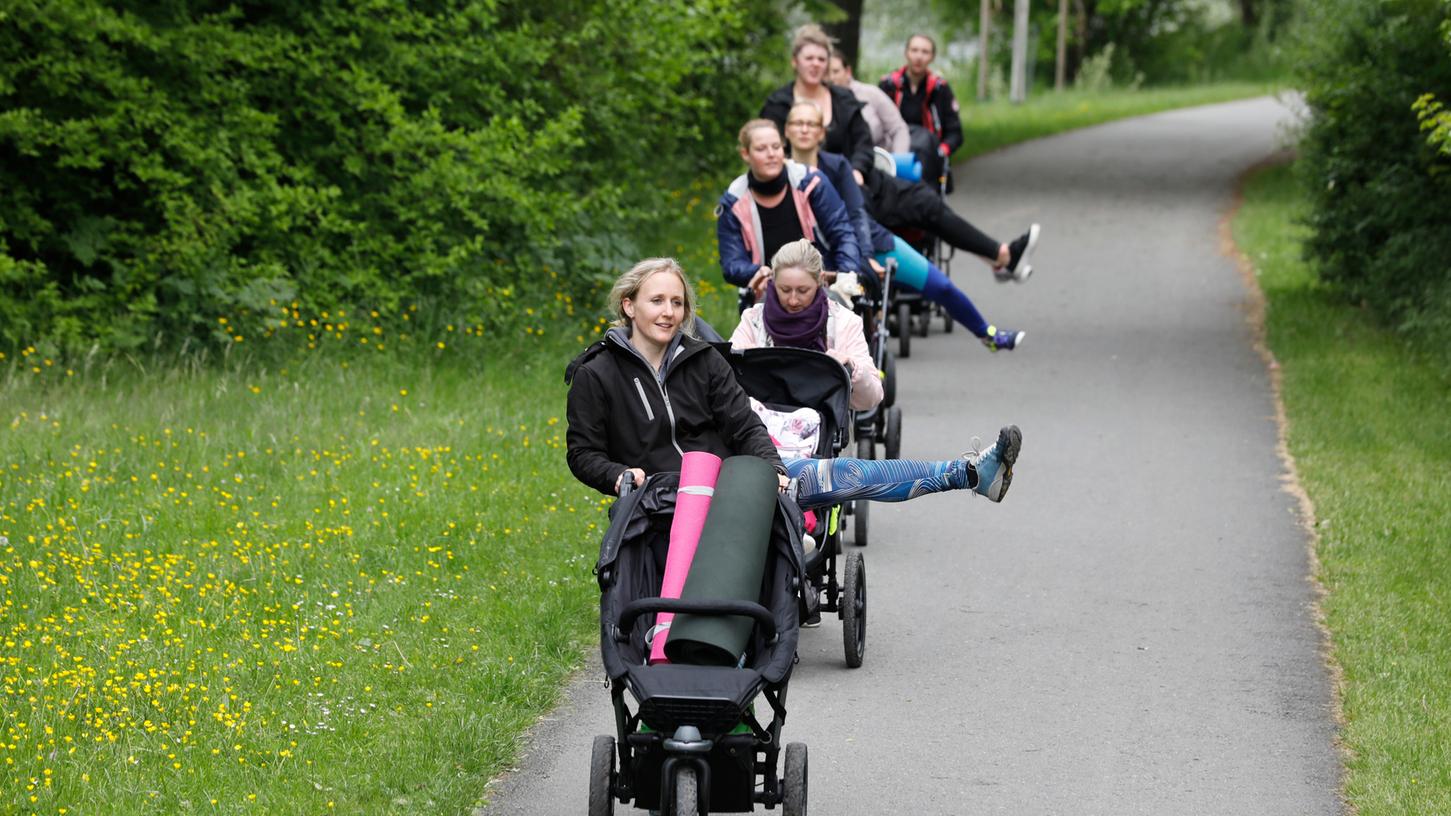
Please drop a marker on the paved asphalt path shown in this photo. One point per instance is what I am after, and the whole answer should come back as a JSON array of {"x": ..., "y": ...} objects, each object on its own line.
[{"x": 1132, "y": 631}]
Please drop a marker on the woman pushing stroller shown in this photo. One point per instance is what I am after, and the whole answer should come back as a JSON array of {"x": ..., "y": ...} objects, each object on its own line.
[{"x": 649, "y": 391}]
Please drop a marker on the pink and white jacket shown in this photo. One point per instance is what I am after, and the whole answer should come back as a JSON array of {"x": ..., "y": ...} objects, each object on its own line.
[{"x": 843, "y": 331}]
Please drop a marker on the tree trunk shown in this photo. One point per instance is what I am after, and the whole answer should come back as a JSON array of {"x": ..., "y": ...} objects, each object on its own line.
[
  {"x": 848, "y": 32},
  {"x": 1080, "y": 37},
  {"x": 984, "y": 26},
  {"x": 1060, "y": 69},
  {"x": 1249, "y": 13},
  {"x": 1019, "y": 91}
]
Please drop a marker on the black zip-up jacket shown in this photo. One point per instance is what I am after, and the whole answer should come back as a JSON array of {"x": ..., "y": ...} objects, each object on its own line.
[
  {"x": 931, "y": 105},
  {"x": 620, "y": 416},
  {"x": 848, "y": 133}
]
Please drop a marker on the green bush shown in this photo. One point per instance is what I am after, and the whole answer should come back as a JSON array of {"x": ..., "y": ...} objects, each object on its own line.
[
  {"x": 1380, "y": 193},
  {"x": 170, "y": 164}
]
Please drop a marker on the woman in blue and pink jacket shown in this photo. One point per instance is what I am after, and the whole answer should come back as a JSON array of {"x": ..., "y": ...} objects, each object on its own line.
[{"x": 774, "y": 203}]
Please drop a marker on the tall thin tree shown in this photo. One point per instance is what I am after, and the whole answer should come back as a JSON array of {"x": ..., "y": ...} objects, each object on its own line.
[
  {"x": 1019, "y": 87},
  {"x": 847, "y": 31},
  {"x": 984, "y": 26},
  {"x": 1060, "y": 69}
]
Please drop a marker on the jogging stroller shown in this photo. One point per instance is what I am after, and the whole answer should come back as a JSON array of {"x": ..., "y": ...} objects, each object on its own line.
[
  {"x": 883, "y": 423},
  {"x": 790, "y": 378},
  {"x": 693, "y": 743},
  {"x": 911, "y": 312}
]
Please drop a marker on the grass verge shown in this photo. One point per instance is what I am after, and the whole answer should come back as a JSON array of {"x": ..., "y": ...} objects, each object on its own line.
[
  {"x": 1370, "y": 432},
  {"x": 346, "y": 586},
  {"x": 991, "y": 125}
]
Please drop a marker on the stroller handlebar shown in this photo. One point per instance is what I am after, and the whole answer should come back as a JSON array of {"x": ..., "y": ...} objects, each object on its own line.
[{"x": 634, "y": 609}]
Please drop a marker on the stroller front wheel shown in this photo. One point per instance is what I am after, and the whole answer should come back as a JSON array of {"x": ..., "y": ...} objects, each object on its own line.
[
  {"x": 892, "y": 435},
  {"x": 854, "y": 610},
  {"x": 794, "y": 779},
  {"x": 601, "y": 776},
  {"x": 904, "y": 330},
  {"x": 687, "y": 792}
]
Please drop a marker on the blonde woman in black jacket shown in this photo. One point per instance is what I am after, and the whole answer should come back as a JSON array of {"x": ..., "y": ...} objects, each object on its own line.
[{"x": 648, "y": 392}]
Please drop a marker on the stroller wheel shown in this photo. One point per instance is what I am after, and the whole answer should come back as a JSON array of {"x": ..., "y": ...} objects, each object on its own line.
[
  {"x": 793, "y": 778},
  {"x": 854, "y": 610},
  {"x": 904, "y": 330},
  {"x": 924, "y": 323},
  {"x": 861, "y": 508},
  {"x": 948, "y": 324},
  {"x": 889, "y": 378},
  {"x": 687, "y": 792},
  {"x": 601, "y": 775},
  {"x": 892, "y": 435}
]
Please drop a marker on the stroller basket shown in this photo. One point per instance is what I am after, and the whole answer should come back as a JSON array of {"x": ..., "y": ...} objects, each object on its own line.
[{"x": 710, "y": 698}]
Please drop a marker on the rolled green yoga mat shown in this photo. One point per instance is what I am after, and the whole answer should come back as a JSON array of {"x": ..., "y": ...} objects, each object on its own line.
[{"x": 728, "y": 564}]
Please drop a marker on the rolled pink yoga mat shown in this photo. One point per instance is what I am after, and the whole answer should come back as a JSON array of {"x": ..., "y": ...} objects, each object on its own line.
[{"x": 698, "y": 472}]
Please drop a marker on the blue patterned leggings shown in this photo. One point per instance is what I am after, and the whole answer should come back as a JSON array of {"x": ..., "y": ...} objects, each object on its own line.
[{"x": 831, "y": 481}]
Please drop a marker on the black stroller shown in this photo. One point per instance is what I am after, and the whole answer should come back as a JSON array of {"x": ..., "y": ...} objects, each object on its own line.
[
  {"x": 911, "y": 313},
  {"x": 787, "y": 379},
  {"x": 883, "y": 423},
  {"x": 693, "y": 744}
]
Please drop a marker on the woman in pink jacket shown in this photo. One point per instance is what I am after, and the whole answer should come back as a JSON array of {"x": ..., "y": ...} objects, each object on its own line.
[{"x": 796, "y": 312}]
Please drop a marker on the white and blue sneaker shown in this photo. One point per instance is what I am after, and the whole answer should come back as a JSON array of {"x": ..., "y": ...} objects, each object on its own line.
[
  {"x": 997, "y": 338},
  {"x": 994, "y": 467}
]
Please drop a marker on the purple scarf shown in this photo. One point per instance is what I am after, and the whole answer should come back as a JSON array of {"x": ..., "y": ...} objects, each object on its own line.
[{"x": 804, "y": 329}]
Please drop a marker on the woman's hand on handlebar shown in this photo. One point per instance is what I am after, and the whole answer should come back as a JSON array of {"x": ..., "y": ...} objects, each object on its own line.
[
  {"x": 637, "y": 478},
  {"x": 877, "y": 268},
  {"x": 841, "y": 357},
  {"x": 760, "y": 281}
]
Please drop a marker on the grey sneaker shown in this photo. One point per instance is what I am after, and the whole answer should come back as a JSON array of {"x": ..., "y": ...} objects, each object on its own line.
[{"x": 994, "y": 466}]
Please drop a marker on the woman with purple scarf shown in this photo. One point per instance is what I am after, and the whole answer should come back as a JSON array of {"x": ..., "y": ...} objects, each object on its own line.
[{"x": 797, "y": 312}]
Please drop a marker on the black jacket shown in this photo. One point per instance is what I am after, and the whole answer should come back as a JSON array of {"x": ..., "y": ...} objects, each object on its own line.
[
  {"x": 931, "y": 105},
  {"x": 621, "y": 417},
  {"x": 848, "y": 133}
]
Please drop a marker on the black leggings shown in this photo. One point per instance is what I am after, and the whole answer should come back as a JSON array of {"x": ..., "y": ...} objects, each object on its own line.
[{"x": 901, "y": 204}]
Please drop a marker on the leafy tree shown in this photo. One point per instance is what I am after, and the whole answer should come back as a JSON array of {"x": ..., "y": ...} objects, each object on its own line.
[{"x": 1435, "y": 118}]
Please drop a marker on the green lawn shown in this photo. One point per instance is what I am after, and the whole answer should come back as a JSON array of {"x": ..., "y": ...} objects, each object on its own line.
[
  {"x": 343, "y": 586},
  {"x": 1370, "y": 429},
  {"x": 991, "y": 125}
]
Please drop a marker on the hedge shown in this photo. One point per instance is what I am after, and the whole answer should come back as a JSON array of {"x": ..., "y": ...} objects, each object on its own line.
[
  {"x": 167, "y": 164},
  {"x": 1380, "y": 191}
]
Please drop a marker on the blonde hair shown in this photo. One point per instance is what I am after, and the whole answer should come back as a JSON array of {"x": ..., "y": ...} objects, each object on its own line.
[
  {"x": 812, "y": 34},
  {"x": 627, "y": 286},
  {"x": 755, "y": 124},
  {"x": 799, "y": 254},
  {"x": 808, "y": 103}
]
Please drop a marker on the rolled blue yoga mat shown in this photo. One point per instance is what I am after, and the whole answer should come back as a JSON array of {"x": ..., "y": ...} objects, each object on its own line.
[
  {"x": 909, "y": 167},
  {"x": 728, "y": 565}
]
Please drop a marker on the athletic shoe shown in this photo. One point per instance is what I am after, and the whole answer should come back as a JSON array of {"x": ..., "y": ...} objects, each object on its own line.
[
  {"x": 1018, "y": 268},
  {"x": 994, "y": 466},
  {"x": 997, "y": 338}
]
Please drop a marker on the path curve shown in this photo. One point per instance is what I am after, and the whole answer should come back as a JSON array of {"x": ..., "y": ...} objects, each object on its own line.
[{"x": 1132, "y": 632}]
